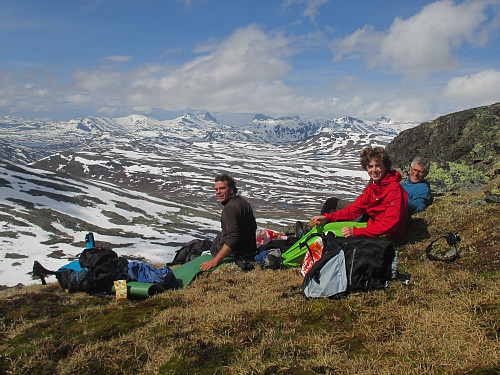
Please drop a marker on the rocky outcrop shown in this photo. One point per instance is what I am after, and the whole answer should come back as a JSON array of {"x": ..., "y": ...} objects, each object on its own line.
[
  {"x": 469, "y": 137},
  {"x": 464, "y": 148}
]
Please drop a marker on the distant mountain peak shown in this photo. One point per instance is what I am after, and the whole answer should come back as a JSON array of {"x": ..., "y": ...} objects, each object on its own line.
[
  {"x": 137, "y": 118},
  {"x": 261, "y": 117},
  {"x": 208, "y": 117},
  {"x": 384, "y": 119}
]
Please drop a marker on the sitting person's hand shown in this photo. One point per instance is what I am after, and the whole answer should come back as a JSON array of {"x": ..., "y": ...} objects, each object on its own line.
[
  {"x": 209, "y": 265},
  {"x": 317, "y": 220},
  {"x": 348, "y": 232}
]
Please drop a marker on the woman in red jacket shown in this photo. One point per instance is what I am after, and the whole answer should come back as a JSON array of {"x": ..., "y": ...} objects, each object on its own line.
[{"x": 383, "y": 199}]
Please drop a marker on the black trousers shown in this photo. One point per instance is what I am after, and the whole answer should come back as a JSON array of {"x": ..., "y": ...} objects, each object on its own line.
[{"x": 334, "y": 204}]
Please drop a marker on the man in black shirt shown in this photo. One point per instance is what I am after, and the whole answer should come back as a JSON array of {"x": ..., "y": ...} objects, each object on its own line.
[{"x": 238, "y": 224}]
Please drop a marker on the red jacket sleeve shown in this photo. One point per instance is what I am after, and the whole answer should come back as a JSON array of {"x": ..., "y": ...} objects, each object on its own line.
[{"x": 351, "y": 212}]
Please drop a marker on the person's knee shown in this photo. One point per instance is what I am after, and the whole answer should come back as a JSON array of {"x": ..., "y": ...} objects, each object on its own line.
[
  {"x": 330, "y": 206},
  {"x": 334, "y": 204}
]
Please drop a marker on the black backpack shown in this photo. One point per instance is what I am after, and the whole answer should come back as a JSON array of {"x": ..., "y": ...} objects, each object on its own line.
[
  {"x": 95, "y": 256},
  {"x": 350, "y": 264},
  {"x": 93, "y": 272},
  {"x": 193, "y": 249}
]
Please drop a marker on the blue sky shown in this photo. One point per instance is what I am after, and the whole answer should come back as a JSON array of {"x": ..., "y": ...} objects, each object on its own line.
[{"x": 405, "y": 59}]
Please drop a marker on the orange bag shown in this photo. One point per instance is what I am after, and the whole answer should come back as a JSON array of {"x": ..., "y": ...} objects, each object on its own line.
[{"x": 316, "y": 250}]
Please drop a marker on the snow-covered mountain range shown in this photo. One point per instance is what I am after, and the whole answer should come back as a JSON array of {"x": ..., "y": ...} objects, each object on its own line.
[
  {"x": 145, "y": 186},
  {"x": 27, "y": 141}
]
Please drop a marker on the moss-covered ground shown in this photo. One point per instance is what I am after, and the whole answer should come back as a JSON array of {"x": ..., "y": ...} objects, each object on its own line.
[{"x": 447, "y": 321}]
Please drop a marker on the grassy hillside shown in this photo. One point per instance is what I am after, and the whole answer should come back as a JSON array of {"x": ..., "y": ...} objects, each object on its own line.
[{"x": 230, "y": 322}]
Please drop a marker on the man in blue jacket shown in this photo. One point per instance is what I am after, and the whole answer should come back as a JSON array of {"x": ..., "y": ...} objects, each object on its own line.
[{"x": 419, "y": 191}]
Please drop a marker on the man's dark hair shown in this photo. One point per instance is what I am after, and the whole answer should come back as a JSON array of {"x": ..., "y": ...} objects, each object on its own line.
[{"x": 230, "y": 182}]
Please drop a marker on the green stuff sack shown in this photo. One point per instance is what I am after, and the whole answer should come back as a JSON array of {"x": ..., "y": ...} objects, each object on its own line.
[{"x": 294, "y": 256}]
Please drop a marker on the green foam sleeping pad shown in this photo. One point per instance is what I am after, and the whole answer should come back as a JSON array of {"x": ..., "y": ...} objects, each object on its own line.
[{"x": 294, "y": 256}]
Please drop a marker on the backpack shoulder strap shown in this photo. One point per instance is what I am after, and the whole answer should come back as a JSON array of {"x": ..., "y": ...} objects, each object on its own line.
[{"x": 304, "y": 243}]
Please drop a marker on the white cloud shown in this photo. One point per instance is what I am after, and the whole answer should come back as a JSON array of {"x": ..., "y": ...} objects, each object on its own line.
[
  {"x": 118, "y": 58},
  {"x": 78, "y": 98},
  {"x": 403, "y": 109},
  {"x": 187, "y": 3},
  {"x": 424, "y": 43},
  {"x": 98, "y": 80},
  {"x": 242, "y": 73},
  {"x": 239, "y": 74},
  {"x": 482, "y": 88},
  {"x": 108, "y": 111},
  {"x": 408, "y": 109},
  {"x": 348, "y": 82},
  {"x": 311, "y": 10}
]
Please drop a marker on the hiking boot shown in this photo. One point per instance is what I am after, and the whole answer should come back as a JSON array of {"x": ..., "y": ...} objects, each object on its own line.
[
  {"x": 289, "y": 230},
  {"x": 301, "y": 229}
]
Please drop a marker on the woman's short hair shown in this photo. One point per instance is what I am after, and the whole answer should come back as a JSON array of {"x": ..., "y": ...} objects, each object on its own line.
[
  {"x": 377, "y": 153},
  {"x": 230, "y": 182}
]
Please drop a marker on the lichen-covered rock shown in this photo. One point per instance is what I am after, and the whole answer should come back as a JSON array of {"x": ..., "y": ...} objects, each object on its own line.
[
  {"x": 470, "y": 137},
  {"x": 464, "y": 148}
]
